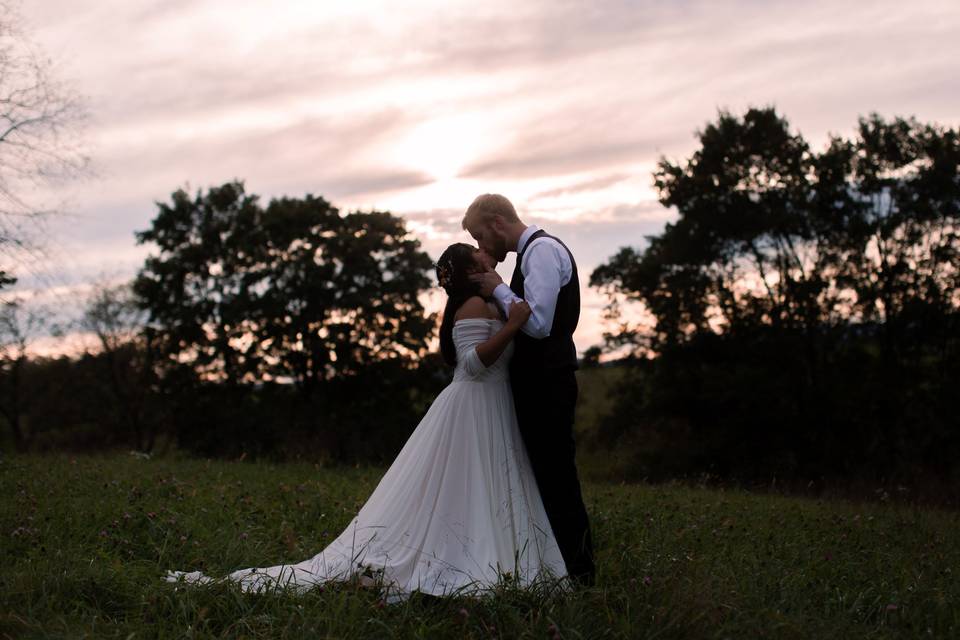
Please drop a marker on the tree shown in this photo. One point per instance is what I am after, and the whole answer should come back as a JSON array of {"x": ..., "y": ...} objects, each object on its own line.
[
  {"x": 20, "y": 325},
  {"x": 40, "y": 121},
  {"x": 784, "y": 272},
  {"x": 250, "y": 303},
  {"x": 343, "y": 292},
  {"x": 295, "y": 291},
  {"x": 770, "y": 233},
  {"x": 591, "y": 357},
  {"x": 127, "y": 350}
]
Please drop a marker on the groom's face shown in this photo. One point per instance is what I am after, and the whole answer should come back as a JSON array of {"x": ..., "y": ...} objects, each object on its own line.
[{"x": 491, "y": 237}]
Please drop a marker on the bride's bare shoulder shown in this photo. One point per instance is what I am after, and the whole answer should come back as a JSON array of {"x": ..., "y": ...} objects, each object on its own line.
[{"x": 475, "y": 307}]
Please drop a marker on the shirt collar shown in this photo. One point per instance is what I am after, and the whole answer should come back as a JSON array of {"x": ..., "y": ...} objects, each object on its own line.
[{"x": 525, "y": 237}]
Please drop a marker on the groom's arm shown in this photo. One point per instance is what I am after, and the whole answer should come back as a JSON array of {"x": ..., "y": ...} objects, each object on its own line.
[{"x": 545, "y": 269}]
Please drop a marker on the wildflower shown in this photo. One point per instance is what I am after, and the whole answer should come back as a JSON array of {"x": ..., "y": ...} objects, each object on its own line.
[
  {"x": 151, "y": 515},
  {"x": 103, "y": 533},
  {"x": 647, "y": 580},
  {"x": 244, "y": 536},
  {"x": 463, "y": 614},
  {"x": 892, "y": 607}
]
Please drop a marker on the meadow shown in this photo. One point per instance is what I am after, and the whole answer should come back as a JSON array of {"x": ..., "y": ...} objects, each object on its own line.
[{"x": 85, "y": 541}]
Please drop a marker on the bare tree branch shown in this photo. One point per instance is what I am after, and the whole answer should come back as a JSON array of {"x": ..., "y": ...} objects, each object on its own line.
[{"x": 41, "y": 146}]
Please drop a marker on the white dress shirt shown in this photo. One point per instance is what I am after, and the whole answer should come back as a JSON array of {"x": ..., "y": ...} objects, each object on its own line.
[{"x": 545, "y": 267}]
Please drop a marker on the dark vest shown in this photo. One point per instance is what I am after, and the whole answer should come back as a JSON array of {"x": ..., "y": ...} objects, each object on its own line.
[{"x": 556, "y": 350}]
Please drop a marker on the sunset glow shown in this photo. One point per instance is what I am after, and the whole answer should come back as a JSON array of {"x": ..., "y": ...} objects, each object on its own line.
[{"x": 417, "y": 108}]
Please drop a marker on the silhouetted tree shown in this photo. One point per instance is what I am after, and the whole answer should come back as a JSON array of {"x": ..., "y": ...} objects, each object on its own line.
[
  {"x": 20, "y": 325},
  {"x": 785, "y": 271},
  {"x": 591, "y": 357},
  {"x": 294, "y": 294},
  {"x": 294, "y": 291},
  {"x": 126, "y": 349},
  {"x": 40, "y": 120},
  {"x": 343, "y": 292}
]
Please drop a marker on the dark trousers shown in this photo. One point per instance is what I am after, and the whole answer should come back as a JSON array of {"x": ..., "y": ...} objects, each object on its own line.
[{"x": 545, "y": 403}]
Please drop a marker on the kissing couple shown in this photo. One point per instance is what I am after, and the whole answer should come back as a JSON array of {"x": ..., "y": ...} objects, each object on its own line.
[{"x": 486, "y": 486}]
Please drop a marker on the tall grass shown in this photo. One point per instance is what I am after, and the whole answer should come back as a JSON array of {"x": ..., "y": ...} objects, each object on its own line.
[{"x": 85, "y": 542}]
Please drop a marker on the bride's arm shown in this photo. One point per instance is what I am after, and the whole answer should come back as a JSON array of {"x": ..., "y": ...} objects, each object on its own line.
[{"x": 490, "y": 350}]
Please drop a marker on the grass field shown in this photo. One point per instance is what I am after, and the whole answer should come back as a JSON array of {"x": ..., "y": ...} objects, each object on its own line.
[{"x": 86, "y": 540}]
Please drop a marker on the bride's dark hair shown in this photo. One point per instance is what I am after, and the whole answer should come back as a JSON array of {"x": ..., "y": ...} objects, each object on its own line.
[{"x": 453, "y": 277}]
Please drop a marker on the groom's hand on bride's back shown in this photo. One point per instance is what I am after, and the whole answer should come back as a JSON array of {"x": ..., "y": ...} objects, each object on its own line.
[{"x": 488, "y": 281}]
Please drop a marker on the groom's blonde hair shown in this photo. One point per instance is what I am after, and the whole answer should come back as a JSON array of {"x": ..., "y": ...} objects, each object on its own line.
[{"x": 485, "y": 207}]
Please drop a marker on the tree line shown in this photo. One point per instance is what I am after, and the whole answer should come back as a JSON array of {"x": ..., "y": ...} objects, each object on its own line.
[
  {"x": 800, "y": 320},
  {"x": 805, "y": 306},
  {"x": 284, "y": 329}
]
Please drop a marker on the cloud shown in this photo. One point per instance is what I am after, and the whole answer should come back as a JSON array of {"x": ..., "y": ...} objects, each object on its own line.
[
  {"x": 535, "y": 155},
  {"x": 443, "y": 221},
  {"x": 593, "y": 184},
  {"x": 335, "y": 157},
  {"x": 563, "y": 105},
  {"x": 367, "y": 183},
  {"x": 594, "y": 239}
]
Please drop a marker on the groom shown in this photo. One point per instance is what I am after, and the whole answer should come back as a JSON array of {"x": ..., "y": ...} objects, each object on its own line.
[{"x": 544, "y": 361}]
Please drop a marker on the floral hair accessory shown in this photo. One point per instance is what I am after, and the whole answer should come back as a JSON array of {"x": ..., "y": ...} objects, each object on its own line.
[{"x": 445, "y": 274}]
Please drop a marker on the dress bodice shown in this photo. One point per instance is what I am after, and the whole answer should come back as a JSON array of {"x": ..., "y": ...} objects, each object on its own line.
[{"x": 467, "y": 334}]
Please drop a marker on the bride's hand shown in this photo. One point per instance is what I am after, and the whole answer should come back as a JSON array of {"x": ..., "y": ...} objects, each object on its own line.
[{"x": 519, "y": 312}]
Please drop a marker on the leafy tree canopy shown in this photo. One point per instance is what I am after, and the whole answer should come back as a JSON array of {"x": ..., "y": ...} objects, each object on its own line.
[
  {"x": 772, "y": 233},
  {"x": 293, "y": 291}
]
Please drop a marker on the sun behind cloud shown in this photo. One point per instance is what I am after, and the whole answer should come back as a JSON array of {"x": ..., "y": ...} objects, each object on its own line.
[{"x": 441, "y": 147}]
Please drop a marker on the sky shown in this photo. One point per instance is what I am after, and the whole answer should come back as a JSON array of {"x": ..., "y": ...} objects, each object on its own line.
[{"x": 416, "y": 107}]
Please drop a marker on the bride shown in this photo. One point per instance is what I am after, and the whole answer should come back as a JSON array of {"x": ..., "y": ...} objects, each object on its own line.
[{"x": 459, "y": 509}]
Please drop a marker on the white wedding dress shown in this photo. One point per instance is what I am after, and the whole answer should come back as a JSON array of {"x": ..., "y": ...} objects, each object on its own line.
[{"x": 457, "y": 510}]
